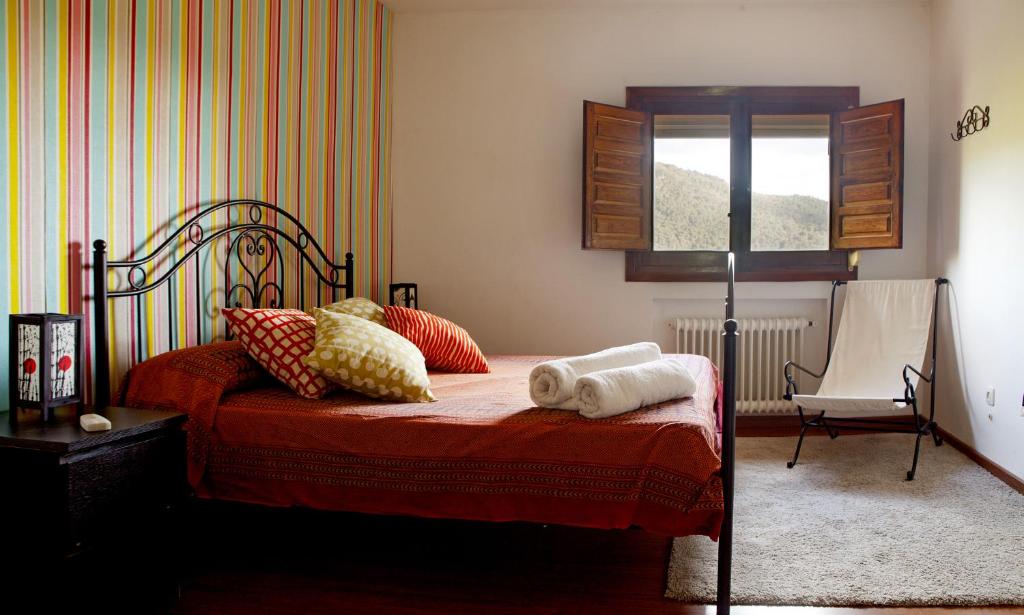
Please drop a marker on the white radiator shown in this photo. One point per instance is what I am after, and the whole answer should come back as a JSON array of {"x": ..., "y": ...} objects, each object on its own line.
[{"x": 765, "y": 344}]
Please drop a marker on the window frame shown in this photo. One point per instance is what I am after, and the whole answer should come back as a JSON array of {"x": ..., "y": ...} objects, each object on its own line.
[{"x": 740, "y": 104}]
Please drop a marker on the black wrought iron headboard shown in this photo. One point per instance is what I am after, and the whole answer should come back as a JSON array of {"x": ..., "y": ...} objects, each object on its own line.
[{"x": 253, "y": 256}]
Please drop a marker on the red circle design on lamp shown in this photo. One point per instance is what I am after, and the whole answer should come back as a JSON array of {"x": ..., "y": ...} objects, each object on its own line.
[
  {"x": 64, "y": 363},
  {"x": 29, "y": 366}
]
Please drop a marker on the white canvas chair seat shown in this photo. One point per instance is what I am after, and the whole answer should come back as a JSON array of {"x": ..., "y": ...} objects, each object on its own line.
[
  {"x": 885, "y": 326},
  {"x": 850, "y": 407}
]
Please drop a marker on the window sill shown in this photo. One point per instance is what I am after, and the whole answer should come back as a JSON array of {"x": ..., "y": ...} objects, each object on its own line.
[{"x": 651, "y": 266}]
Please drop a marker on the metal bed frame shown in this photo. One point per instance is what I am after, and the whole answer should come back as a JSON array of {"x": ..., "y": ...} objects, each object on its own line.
[
  {"x": 728, "y": 440},
  {"x": 916, "y": 425},
  {"x": 255, "y": 249},
  {"x": 254, "y": 252}
]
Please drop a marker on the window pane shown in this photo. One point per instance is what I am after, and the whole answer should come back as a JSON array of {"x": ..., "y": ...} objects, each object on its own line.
[
  {"x": 691, "y": 182},
  {"x": 790, "y": 182}
]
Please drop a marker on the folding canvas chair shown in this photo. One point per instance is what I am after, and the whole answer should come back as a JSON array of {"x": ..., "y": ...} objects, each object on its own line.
[{"x": 876, "y": 364}]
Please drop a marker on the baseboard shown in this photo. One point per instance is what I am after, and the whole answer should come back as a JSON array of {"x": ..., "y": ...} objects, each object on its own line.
[
  {"x": 780, "y": 425},
  {"x": 769, "y": 425},
  {"x": 993, "y": 468}
]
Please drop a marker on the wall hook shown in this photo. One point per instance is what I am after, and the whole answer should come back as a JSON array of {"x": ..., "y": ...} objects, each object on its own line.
[{"x": 974, "y": 119}]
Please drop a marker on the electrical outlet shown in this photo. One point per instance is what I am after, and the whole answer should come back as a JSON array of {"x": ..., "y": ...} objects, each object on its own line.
[{"x": 990, "y": 396}]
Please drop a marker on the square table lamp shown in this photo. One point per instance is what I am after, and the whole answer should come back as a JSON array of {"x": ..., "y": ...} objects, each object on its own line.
[{"x": 45, "y": 363}]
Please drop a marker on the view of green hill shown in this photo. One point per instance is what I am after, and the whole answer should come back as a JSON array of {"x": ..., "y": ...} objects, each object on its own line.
[{"x": 691, "y": 213}]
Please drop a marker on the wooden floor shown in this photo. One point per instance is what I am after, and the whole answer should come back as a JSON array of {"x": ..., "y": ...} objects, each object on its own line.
[{"x": 259, "y": 561}]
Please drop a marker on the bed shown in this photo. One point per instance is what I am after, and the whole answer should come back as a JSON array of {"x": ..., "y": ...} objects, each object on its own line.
[{"x": 483, "y": 452}]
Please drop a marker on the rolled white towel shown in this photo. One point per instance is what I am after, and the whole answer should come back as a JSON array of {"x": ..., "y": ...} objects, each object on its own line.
[
  {"x": 552, "y": 382},
  {"x": 615, "y": 391}
]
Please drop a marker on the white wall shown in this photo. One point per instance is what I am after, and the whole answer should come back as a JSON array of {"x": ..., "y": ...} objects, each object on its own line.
[
  {"x": 977, "y": 222},
  {"x": 488, "y": 137}
]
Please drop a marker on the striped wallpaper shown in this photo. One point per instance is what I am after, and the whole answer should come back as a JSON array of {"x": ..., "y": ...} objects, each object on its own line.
[{"x": 121, "y": 118}]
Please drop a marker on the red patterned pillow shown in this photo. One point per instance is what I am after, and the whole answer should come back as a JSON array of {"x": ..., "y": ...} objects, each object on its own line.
[
  {"x": 445, "y": 345},
  {"x": 278, "y": 339}
]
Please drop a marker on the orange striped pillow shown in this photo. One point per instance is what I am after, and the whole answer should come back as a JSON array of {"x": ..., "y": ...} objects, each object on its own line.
[{"x": 445, "y": 345}]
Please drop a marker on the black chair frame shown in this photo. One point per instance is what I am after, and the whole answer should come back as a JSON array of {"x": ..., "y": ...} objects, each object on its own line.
[{"x": 918, "y": 424}]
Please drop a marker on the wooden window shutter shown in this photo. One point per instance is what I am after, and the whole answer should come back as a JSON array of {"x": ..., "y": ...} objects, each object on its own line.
[
  {"x": 867, "y": 177},
  {"x": 617, "y": 149}
]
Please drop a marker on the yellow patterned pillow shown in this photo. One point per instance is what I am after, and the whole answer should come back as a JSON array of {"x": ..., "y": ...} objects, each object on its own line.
[
  {"x": 358, "y": 306},
  {"x": 365, "y": 357}
]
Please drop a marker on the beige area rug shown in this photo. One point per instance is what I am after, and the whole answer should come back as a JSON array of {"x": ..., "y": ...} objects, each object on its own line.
[{"x": 843, "y": 528}]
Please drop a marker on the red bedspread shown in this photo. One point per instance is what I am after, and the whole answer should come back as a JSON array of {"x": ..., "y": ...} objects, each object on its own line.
[{"x": 483, "y": 452}]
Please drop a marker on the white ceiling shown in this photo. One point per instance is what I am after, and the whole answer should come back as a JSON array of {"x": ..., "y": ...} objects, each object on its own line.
[{"x": 424, "y": 6}]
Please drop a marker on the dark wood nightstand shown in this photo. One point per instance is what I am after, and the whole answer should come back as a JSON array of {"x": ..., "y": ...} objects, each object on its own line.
[{"x": 69, "y": 494}]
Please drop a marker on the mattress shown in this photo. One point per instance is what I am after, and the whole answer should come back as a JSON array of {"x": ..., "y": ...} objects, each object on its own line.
[{"x": 483, "y": 452}]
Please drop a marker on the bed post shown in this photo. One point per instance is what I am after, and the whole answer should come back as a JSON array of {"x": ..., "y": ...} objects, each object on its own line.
[
  {"x": 728, "y": 445},
  {"x": 349, "y": 286},
  {"x": 101, "y": 394}
]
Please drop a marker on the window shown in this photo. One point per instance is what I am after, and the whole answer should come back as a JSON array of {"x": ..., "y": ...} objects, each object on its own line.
[
  {"x": 788, "y": 178},
  {"x": 789, "y": 181},
  {"x": 691, "y": 182}
]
